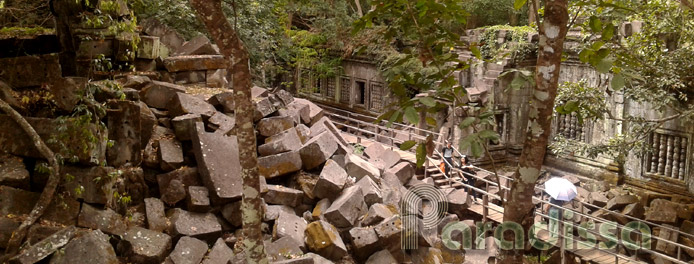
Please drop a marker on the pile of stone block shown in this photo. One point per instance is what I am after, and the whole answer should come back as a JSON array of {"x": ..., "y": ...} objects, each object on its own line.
[{"x": 171, "y": 188}]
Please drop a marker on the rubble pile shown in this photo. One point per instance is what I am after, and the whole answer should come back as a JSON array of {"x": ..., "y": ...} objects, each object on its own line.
[{"x": 167, "y": 187}]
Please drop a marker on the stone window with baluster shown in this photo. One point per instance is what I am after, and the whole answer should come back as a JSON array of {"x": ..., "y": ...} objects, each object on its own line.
[
  {"x": 570, "y": 127},
  {"x": 669, "y": 156}
]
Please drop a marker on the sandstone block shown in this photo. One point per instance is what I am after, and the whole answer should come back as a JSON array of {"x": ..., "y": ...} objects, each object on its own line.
[
  {"x": 284, "y": 141},
  {"x": 199, "y": 225},
  {"x": 160, "y": 94},
  {"x": 271, "y": 126},
  {"x": 184, "y": 125},
  {"x": 170, "y": 154},
  {"x": 364, "y": 241},
  {"x": 218, "y": 162},
  {"x": 45, "y": 248},
  {"x": 662, "y": 211},
  {"x": 198, "y": 199},
  {"x": 188, "y": 251},
  {"x": 182, "y": 104},
  {"x": 317, "y": 150},
  {"x": 347, "y": 208},
  {"x": 94, "y": 247},
  {"x": 13, "y": 173},
  {"x": 106, "y": 220},
  {"x": 279, "y": 164},
  {"x": 290, "y": 225},
  {"x": 224, "y": 100},
  {"x": 376, "y": 214},
  {"x": 195, "y": 63},
  {"x": 217, "y": 78},
  {"x": 156, "y": 214},
  {"x": 324, "y": 239},
  {"x": 403, "y": 170},
  {"x": 220, "y": 253},
  {"x": 199, "y": 45},
  {"x": 141, "y": 245},
  {"x": 263, "y": 108},
  {"x": 278, "y": 194},
  {"x": 359, "y": 168},
  {"x": 371, "y": 190},
  {"x": 331, "y": 181}
]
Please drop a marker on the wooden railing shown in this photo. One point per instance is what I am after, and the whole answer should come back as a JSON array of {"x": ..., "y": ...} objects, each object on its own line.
[{"x": 364, "y": 125}]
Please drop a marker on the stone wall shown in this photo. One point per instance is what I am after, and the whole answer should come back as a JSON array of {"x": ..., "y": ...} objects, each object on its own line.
[
  {"x": 666, "y": 168},
  {"x": 359, "y": 87}
]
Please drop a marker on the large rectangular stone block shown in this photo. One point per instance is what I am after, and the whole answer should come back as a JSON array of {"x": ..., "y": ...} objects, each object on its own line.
[
  {"x": 148, "y": 48},
  {"x": 347, "y": 208},
  {"x": 287, "y": 140},
  {"x": 317, "y": 150},
  {"x": 195, "y": 63},
  {"x": 218, "y": 163},
  {"x": 278, "y": 194},
  {"x": 331, "y": 181},
  {"x": 160, "y": 94},
  {"x": 324, "y": 239},
  {"x": 279, "y": 164}
]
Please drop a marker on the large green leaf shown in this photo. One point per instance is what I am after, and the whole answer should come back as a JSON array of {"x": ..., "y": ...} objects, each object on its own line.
[
  {"x": 408, "y": 144},
  {"x": 411, "y": 115},
  {"x": 608, "y": 32},
  {"x": 476, "y": 148},
  {"x": 489, "y": 135},
  {"x": 475, "y": 51},
  {"x": 617, "y": 82},
  {"x": 421, "y": 155},
  {"x": 431, "y": 121},
  {"x": 585, "y": 55},
  {"x": 428, "y": 101},
  {"x": 595, "y": 24},
  {"x": 518, "y": 4},
  {"x": 467, "y": 122},
  {"x": 571, "y": 106},
  {"x": 394, "y": 118},
  {"x": 604, "y": 65}
]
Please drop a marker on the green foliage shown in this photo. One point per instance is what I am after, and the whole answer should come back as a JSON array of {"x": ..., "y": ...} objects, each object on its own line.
[
  {"x": 408, "y": 145},
  {"x": 652, "y": 67},
  {"x": 422, "y": 59},
  {"x": 588, "y": 102},
  {"x": 476, "y": 142},
  {"x": 358, "y": 149},
  {"x": 516, "y": 45},
  {"x": 177, "y": 14},
  {"x": 496, "y": 12},
  {"x": 24, "y": 32}
]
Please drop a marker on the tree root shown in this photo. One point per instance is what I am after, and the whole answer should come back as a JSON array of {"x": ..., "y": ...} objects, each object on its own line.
[{"x": 46, "y": 196}]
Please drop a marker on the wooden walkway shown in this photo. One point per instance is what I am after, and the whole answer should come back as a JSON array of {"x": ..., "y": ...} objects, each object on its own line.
[{"x": 354, "y": 131}]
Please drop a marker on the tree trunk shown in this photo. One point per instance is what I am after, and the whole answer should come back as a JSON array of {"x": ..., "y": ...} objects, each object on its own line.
[
  {"x": 519, "y": 207},
  {"x": 66, "y": 14},
  {"x": 223, "y": 33},
  {"x": 533, "y": 6},
  {"x": 51, "y": 185}
]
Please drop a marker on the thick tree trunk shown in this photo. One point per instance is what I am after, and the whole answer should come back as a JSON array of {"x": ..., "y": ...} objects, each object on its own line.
[
  {"x": 51, "y": 185},
  {"x": 210, "y": 12},
  {"x": 519, "y": 207}
]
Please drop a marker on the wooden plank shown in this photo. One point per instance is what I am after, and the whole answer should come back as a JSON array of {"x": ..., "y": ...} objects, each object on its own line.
[{"x": 606, "y": 258}]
